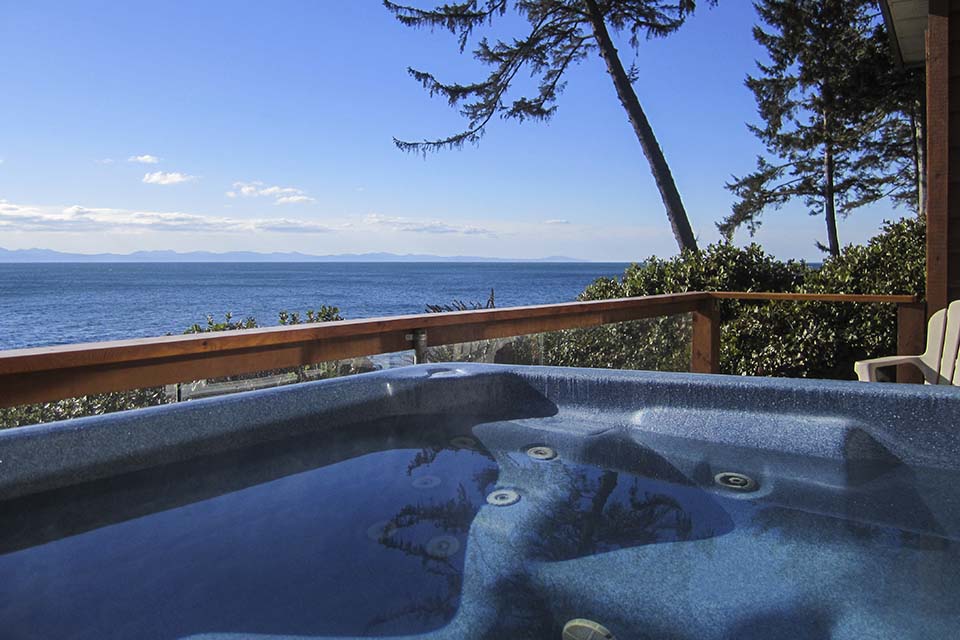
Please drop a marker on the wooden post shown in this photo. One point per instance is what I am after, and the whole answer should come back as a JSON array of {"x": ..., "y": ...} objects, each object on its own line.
[
  {"x": 419, "y": 340},
  {"x": 705, "y": 347},
  {"x": 938, "y": 156},
  {"x": 911, "y": 338}
]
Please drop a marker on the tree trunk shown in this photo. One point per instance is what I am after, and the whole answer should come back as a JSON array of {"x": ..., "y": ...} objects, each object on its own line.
[
  {"x": 608, "y": 482},
  {"x": 829, "y": 206},
  {"x": 641, "y": 126},
  {"x": 920, "y": 154}
]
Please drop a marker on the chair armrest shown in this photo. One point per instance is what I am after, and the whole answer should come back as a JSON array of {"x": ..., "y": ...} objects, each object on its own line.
[{"x": 867, "y": 369}]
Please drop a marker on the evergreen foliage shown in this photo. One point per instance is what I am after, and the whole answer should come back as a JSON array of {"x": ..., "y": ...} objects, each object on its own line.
[
  {"x": 92, "y": 405},
  {"x": 228, "y": 324},
  {"x": 561, "y": 33},
  {"x": 323, "y": 314},
  {"x": 460, "y": 305},
  {"x": 838, "y": 117},
  {"x": 663, "y": 344},
  {"x": 792, "y": 339}
]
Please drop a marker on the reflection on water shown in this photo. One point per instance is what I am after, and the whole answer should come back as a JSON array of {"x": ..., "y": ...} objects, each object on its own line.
[
  {"x": 602, "y": 495},
  {"x": 441, "y": 556},
  {"x": 605, "y": 510},
  {"x": 292, "y": 554}
]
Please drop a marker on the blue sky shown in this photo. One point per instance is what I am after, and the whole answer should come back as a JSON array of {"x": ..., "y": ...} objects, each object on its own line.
[{"x": 267, "y": 126}]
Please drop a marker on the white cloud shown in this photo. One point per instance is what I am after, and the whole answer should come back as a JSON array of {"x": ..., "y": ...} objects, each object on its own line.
[
  {"x": 293, "y": 199},
  {"x": 105, "y": 161},
  {"x": 411, "y": 225},
  {"x": 244, "y": 190},
  {"x": 167, "y": 178},
  {"x": 95, "y": 229},
  {"x": 279, "y": 191},
  {"x": 285, "y": 225},
  {"x": 558, "y": 221},
  {"x": 144, "y": 159},
  {"x": 76, "y": 218},
  {"x": 281, "y": 195}
]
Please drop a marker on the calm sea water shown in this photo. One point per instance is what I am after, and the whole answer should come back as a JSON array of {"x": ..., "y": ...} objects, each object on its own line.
[{"x": 43, "y": 304}]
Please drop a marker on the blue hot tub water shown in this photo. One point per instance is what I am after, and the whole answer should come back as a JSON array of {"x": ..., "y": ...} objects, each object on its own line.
[
  {"x": 358, "y": 508},
  {"x": 334, "y": 540}
]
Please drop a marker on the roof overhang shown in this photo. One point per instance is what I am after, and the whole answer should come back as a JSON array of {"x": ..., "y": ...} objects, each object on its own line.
[{"x": 907, "y": 23}]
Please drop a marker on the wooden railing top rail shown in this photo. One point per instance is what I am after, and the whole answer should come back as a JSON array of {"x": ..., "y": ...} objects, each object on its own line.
[
  {"x": 99, "y": 353},
  {"x": 812, "y": 297},
  {"x": 63, "y": 371}
]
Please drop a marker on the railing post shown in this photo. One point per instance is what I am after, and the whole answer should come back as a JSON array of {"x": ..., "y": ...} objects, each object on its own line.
[
  {"x": 911, "y": 327},
  {"x": 705, "y": 347},
  {"x": 419, "y": 340}
]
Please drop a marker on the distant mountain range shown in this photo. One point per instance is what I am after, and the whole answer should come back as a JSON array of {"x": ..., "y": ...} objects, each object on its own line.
[{"x": 49, "y": 255}]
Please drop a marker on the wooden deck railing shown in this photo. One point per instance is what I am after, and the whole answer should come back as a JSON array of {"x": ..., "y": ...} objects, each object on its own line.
[{"x": 52, "y": 373}]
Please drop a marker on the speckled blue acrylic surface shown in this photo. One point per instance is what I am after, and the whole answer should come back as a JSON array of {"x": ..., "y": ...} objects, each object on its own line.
[{"x": 356, "y": 508}]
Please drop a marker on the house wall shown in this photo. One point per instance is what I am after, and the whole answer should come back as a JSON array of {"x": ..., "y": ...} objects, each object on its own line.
[
  {"x": 953, "y": 153},
  {"x": 943, "y": 149}
]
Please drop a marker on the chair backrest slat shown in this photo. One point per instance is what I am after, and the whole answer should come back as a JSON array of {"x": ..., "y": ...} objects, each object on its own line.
[
  {"x": 951, "y": 345},
  {"x": 934, "y": 352}
]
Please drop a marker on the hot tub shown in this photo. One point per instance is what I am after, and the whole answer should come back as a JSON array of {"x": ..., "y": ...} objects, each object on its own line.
[{"x": 484, "y": 501}]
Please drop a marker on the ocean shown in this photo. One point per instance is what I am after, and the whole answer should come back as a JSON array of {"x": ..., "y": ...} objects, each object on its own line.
[{"x": 61, "y": 303}]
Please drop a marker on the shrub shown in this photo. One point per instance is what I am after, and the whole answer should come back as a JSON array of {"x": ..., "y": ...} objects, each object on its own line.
[
  {"x": 95, "y": 404},
  {"x": 823, "y": 340},
  {"x": 663, "y": 344},
  {"x": 807, "y": 339}
]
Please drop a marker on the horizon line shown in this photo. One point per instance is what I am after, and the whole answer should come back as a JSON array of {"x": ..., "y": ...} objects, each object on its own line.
[{"x": 22, "y": 256}]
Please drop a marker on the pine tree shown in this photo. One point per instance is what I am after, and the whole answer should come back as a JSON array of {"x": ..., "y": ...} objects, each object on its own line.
[
  {"x": 561, "y": 33},
  {"x": 836, "y": 115}
]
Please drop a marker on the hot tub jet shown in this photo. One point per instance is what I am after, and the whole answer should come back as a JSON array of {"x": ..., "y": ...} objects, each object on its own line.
[
  {"x": 503, "y": 498},
  {"x": 735, "y": 481}
]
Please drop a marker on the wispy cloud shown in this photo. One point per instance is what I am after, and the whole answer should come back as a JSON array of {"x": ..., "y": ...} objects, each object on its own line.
[
  {"x": 98, "y": 220},
  {"x": 412, "y": 225},
  {"x": 286, "y": 225},
  {"x": 14, "y": 217},
  {"x": 144, "y": 159},
  {"x": 279, "y": 191},
  {"x": 167, "y": 178},
  {"x": 558, "y": 221},
  {"x": 244, "y": 190},
  {"x": 280, "y": 195},
  {"x": 293, "y": 199},
  {"x": 93, "y": 229},
  {"x": 105, "y": 161}
]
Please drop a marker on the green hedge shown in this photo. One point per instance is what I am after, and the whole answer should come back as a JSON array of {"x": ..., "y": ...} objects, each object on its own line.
[{"x": 805, "y": 340}]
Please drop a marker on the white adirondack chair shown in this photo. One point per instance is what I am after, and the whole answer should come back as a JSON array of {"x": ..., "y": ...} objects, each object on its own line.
[{"x": 938, "y": 363}]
